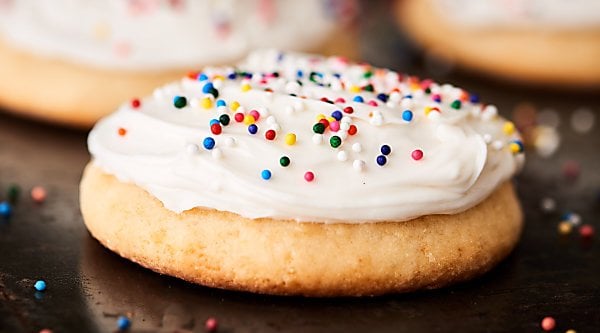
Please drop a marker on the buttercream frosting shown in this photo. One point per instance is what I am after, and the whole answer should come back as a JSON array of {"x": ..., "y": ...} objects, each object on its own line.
[
  {"x": 179, "y": 151},
  {"x": 158, "y": 34},
  {"x": 547, "y": 14}
]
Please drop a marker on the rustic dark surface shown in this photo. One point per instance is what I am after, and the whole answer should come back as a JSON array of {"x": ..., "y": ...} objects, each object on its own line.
[{"x": 88, "y": 285}]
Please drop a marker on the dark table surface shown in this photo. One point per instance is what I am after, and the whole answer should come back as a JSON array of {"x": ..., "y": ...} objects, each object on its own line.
[{"x": 88, "y": 286}]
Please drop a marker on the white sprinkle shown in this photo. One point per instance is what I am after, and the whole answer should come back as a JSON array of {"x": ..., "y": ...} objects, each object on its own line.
[
  {"x": 346, "y": 119},
  {"x": 217, "y": 84},
  {"x": 582, "y": 120},
  {"x": 275, "y": 127},
  {"x": 298, "y": 106},
  {"x": 376, "y": 120},
  {"x": 357, "y": 147},
  {"x": 434, "y": 116},
  {"x": 342, "y": 135},
  {"x": 317, "y": 138},
  {"x": 230, "y": 141},
  {"x": 292, "y": 87},
  {"x": 342, "y": 156},
  {"x": 548, "y": 205},
  {"x": 158, "y": 94},
  {"x": 489, "y": 112},
  {"x": 358, "y": 165},
  {"x": 498, "y": 145},
  {"x": 395, "y": 97},
  {"x": 217, "y": 153},
  {"x": 487, "y": 138},
  {"x": 221, "y": 109},
  {"x": 241, "y": 110},
  {"x": 575, "y": 219},
  {"x": 271, "y": 120},
  {"x": 344, "y": 126},
  {"x": 192, "y": 148},
  {"x": 194, "y": 102}
]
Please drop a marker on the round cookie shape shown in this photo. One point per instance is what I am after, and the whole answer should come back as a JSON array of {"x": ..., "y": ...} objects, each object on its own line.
[
  {"x": 548, "y": 43},
  {"x": 298, "y": 174},
  {"x": 71, "y": 62}
]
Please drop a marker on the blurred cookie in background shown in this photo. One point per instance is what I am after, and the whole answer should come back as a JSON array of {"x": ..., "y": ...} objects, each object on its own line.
[
  {"x": 541, "y": 42},
  {"x": 73, "y": 61}
]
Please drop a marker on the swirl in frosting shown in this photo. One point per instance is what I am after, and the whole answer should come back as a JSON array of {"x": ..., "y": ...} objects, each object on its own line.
[{"x": 307, "y": 138}]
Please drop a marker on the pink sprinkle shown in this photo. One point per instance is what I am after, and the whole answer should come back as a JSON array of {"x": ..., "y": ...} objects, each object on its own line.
[
  {"x": 372, "y": 103},
  {"x": 211, "y": 325},
  {"x": 548, "y": 324},
  {"x": 340, "y": 100},
  {"x": 309, "y": 176},
  {"x": 38, "y": 194},
  {"x": 586, "y": 231},
  {"x": 255, "y": 114},
  {"x": 334, "y": 126},
  {"x": 45, "y": 330},
  {"x": 417, "y": 154}
]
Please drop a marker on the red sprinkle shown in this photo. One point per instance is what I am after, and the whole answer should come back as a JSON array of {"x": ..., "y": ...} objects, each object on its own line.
[
  {"x": 216, "y": 129},
  {"x": 548, "y": 323},
  {"x": 309, "y": 176},
  {"x": 348, "y": 109},
  {"x": 325, "y": 122},
  {"x": 586, "y": 231},
  {"x": 270, "y": 134},
  {"x": 135, "y": 103},
  {"x": 122, "y": 131},
  {"x": 38, "y": 194},
  {"x": 352, "y": 130},
  {"x": 239, "y": 117},
  {"x": 211, "y": 324},
  {"x": 417, "y": 154}
]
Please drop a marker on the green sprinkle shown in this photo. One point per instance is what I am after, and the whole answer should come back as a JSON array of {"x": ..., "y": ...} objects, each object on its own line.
[
  {"x": 284, "y": 161},
  {"x": 319, "y": 128},
  {"x": 456, "y": 104},
  {"x": 335, "y": 141}
]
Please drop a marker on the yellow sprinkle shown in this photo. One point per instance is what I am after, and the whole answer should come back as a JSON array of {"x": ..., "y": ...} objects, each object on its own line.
[
  {"x": 354, "y": 89},
  {"x": 206, "y": 103},
  {"x": 515, "y": 148},
  {"x": 564, "y": 228},
  {"x": 219, "y": 77},
  {"x": 508, "y": 128},
  {"x": 235, "y": 105},
  {"x": 246, "y": 87},
  {"x": 330, "y": 119},
  {"x": 320, "y": 116},
  {"x": 415, "y": 86},
  {"x": 571, "y": 331},
  {"x": 249, "y": 120},
  {"x": 290, "y": 139}
]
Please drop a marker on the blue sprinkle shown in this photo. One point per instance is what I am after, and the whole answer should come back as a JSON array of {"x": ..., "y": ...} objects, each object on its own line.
[
  {"x": 337, "y": 75},
  {"x": 252, "y": 129},
  {"x": 386, "y": 150},
  {"x": 407, "y": 115},
  {"x": 213, "y": 121},
  {"x": 202, "y": 77},
  {"x": 123, "y": 323},
  {"x": 437, "y": 99},
  {"x": 209, "y": 143},
  {"x": 381, "y": 160},
  {"x": 474, "y": 98},
  {"x": 382, "y": 97},
  {"x": 208, "y": 88},
  {"x": 265, "y": 174},
  {"x": 232, "y": 76},
  {"x": 299, "y": 73},
  {"x": 40, "y": 285},
  {"x": 5, "y": 209},
  {"x": 337, "y": 115},
  {"x": 221, "y": 103},
  {"x": 358, "y": 99}
]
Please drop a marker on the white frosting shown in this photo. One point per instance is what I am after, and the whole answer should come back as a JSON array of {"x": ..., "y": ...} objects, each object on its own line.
[
  {"x": 162, "y": 150},
  {"x": 564, "y": 14},
  {"x": 157, "y": 34}
]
